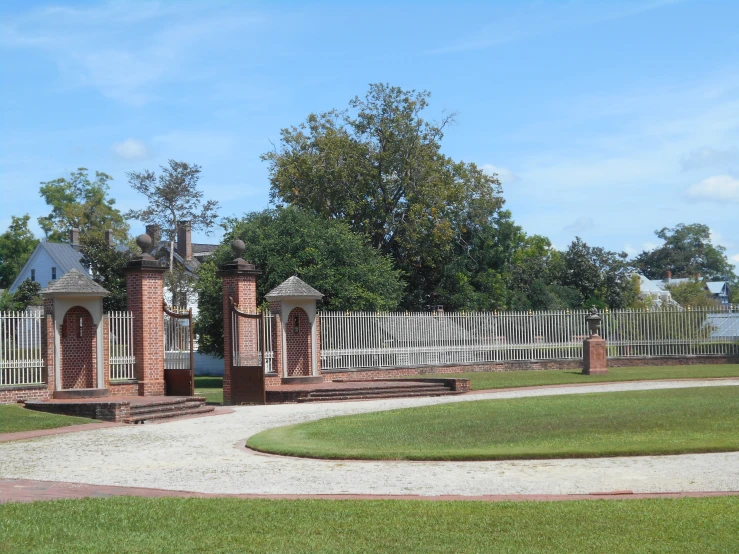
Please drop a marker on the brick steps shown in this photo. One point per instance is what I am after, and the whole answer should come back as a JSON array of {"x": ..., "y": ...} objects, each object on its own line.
[
  {"x": 367, "y": 393},
  {"x": 166, "y": 409}
]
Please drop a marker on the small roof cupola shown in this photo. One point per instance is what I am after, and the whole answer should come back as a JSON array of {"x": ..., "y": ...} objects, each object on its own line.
[{"x": 293, "y": 288}]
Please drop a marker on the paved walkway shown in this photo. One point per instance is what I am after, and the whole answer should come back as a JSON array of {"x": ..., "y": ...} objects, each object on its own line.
[{"x": 207, "y": 455}]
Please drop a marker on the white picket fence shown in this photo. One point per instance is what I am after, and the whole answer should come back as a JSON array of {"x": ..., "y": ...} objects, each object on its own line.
[
  {"x": 367, "y": 340},
  {"x": 21, "y": 362},
  {"x": 120, "y": 345}
]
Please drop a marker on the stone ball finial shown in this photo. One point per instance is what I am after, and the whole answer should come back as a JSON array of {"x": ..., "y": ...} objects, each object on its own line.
[
  {"x": 238, "y": 248},
  {"x": 144, "y": 242}
]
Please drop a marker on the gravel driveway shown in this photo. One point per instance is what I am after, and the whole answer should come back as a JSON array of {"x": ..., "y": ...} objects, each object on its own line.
[{"x": 208, "y": 455}]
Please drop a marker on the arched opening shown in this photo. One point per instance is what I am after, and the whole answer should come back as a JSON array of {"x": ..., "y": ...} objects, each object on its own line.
[
  {"x": 77, "y": 349},
  {"x": 298, "y": 343}
]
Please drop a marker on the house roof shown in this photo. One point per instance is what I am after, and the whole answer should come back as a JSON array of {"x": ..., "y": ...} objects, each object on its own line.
[
  {"x": 293, "y": 287},
  {"x": 716, "y": 287},
  {"x": 74, "y": 283}
]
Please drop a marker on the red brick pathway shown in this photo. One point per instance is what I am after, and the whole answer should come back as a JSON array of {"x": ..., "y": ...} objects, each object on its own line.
[{"x": 26, "y": 490}]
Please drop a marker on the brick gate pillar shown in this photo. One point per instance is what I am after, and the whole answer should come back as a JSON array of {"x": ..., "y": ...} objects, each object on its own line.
[
  {"x": 240, "y": 285},
  {"x": 144, "y": 284}
]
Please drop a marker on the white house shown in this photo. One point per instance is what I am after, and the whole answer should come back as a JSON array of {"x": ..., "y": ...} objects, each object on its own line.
[{"x": 50, "y": 261}]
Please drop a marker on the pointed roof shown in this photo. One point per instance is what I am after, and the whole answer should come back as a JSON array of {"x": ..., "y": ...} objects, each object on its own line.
[
  {"x": 293, "y": 287},
  {"x": 74, "y": 283}
]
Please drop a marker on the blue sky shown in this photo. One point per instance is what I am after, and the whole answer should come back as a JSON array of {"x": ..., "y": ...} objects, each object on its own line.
[{"x": 603, "y": 120}]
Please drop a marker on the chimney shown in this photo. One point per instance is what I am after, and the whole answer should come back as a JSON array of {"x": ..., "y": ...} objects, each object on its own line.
[
  {"x": 184, "y": 240},
  {"x": 668, "y": 275},
  {"x": 109, "y": 237},
  {"x": 155, "y": 232},
  {"x": 74, "y": 237}
]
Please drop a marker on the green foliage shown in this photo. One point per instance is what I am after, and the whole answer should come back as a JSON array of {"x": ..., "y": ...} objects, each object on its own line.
[
  {"x": 378, "y": 166},
  {"x": 600, "y": 277},
  {"x": 78, "y": 202},
  {"x": 288, "y": 241},
  {"x": 568, "y": 426},
  {"x": 27, "y": 294},
  {"x": 16, "y": 246},
  {"x": 107, "y": 263},
  {"x": 686, "y": 252},
  {"x": 692, "y": 293}
]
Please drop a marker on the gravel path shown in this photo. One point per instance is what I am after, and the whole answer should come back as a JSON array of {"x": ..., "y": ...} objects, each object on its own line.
[{"x": 207, "y": 455}]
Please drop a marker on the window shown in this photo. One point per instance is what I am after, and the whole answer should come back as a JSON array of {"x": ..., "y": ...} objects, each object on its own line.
[
  {"x": 53, "y": 273},
  {"x": 33, "y": 275}
]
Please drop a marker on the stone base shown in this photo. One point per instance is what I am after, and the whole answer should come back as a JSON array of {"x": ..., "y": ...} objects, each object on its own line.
[
  {"x": 302, "y": 380},
  {"x": 594, "y": 356}
]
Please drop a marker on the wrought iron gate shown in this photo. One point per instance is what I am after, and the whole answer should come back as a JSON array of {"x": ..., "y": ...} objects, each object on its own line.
[
  {"x": 179, "y": 355},
  {"x": 247, "y": 357}
]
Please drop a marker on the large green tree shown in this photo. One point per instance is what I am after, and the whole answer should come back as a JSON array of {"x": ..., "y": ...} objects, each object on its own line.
[
  {"x": 600, "y": 277},
  {"x": 687, "y": 251},
  {"x": 79, "y": 202},
  {"x": 288, "y": 241},
  {"x": 378, "y": 166},
  {"x": 106, "y": 263},
  {"x": 16, "y": 246}
]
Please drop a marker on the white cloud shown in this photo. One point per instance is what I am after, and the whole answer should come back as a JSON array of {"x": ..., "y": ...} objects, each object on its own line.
[
  {"x": 734, "y": 258},
  {"x": 719, "y": 188},
  {"x": 582, "y": 223},
  {"x": 131, "y": 149},
  {"x": 504, "y": 174},
  {"x": 709, "y": 157},
  {"x": 649, "y": 245}
]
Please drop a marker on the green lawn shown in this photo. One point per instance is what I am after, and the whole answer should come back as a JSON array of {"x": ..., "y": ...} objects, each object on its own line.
[
  {"x": 509, "y": 379},
  {"x": 569, "y": 426},
  {"x": 163, "y": 525},
  {"x": 211, "y": 388},
  {"x": 15, "y": 418}
]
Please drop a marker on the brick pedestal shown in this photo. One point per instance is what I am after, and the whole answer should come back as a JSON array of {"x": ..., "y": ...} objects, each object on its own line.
[
  {"x": 594, "y": 356},
  {"x": 144, "y": 283}
]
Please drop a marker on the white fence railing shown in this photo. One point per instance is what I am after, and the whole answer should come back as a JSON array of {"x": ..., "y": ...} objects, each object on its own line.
[
  {"x": 120, "y": 345},
  {"x": 21, "y": 362},
  {"x": 360, "y": 339}
]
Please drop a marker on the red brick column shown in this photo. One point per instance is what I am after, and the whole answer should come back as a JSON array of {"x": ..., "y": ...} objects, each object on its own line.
[
  {"x": 240, "y": 285},
  {"x": 144, "y": 283}
]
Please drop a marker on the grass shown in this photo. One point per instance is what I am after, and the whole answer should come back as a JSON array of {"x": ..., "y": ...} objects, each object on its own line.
[
  {"x": 15, "y": 418},
  {"x": 511, "y": 379},
  {"x": 211, "y": 388},
  {"x": 569, "y": 426},
  {"x": 126, "y": 524}
]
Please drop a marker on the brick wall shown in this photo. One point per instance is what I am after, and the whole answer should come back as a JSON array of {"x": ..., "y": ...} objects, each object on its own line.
[
  {"x": 77, "y": 350},
  {"x": 145, "y": 294},
  {"x": 10, "y": 395},
  {"x": 298, "y": 345}
]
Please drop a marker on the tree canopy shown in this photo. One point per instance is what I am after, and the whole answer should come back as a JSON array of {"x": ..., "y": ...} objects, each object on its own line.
[
  {"x": 288, "y": 241},
  {"x": 16, "y": 246},
  {"x": 78, "y": 202},
  {"x": 106, "y": 264},
  {"x": 378, "y": 167},
  {"x": 687, "y": 252}
]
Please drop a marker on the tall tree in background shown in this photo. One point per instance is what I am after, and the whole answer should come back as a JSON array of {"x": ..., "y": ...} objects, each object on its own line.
[
  {"x": 78, "y": 202},
  {"x": 16, "y": 246},
  {"x": 173, "y": 197},
  {"x": 602, "y": 278},
  {"x": 287, "y": 241},
  {"x": 106, "y": 264},
  {"x": 686, "y": 252},
  {"x": 378, "y": 166}
]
